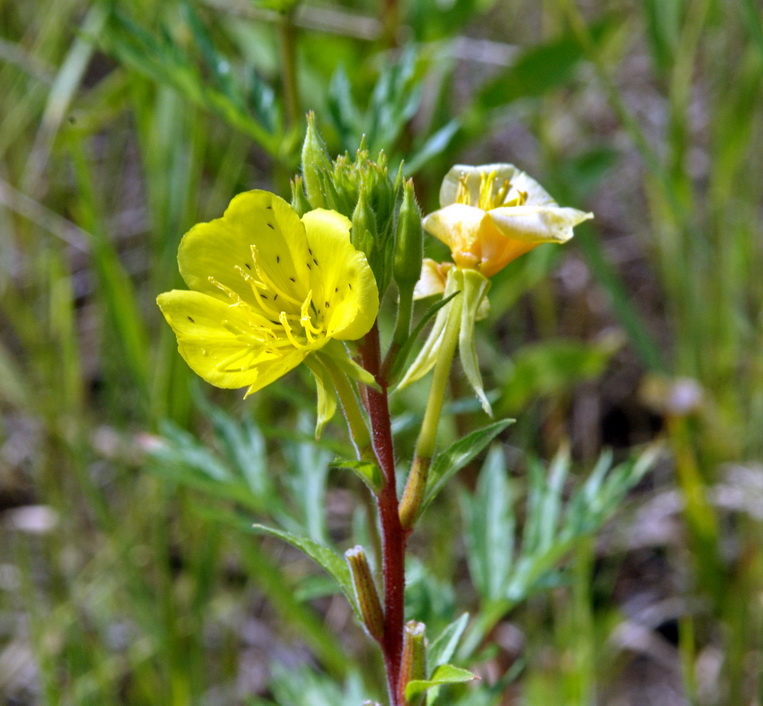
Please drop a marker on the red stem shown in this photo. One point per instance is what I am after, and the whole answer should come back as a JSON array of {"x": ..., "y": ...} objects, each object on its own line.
[{"x": 393, "y": 535}]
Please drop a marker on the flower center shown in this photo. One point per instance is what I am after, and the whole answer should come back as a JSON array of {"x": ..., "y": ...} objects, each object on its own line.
[
  {"x": 489, "y": 196},
  {"x": 279, "y": 319}
]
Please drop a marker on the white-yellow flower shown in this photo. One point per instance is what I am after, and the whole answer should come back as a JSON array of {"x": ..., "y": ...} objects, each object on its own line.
[{"x": 492, "y": 214}]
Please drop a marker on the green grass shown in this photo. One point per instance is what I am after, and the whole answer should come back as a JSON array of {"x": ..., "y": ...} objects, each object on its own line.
[{"x": 123, "y": 124}]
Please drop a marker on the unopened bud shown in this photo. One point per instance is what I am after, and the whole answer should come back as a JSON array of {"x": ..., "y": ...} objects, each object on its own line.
[
  {"x": 299, "y": 200},
  {"x": 414, "y": 662},
  {"x": 315, "y": 160},
  {"x": 364, "y": 227},
  {"x": 409, "y": 245},
  {"x": 365, "y": 592}
]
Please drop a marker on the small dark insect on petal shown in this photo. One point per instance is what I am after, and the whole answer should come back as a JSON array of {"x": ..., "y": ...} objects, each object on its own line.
[
  {"x": 271, "y": 226},
  {"x": 292, "y": 279},
  {"x": 190, "y": 319},
  {"x": 246, "y": 264}
]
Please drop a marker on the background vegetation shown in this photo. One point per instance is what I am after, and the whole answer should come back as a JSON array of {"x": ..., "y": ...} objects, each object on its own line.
[{"x": 128, "y": 574}]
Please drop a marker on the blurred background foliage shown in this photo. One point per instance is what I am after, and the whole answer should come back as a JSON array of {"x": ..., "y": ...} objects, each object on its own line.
[{"x": 128, "y": 570}]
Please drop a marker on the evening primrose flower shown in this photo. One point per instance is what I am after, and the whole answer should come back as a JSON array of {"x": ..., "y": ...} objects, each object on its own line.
[
  {"x": 489, "y": 216},
  {"x": 492, "y": 214},
  {"x": 269, "y": 290}
]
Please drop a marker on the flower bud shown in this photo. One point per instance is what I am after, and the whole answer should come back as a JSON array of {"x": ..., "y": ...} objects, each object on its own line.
[
  {"x": 315, "y": 160},
  {"x": 299, "y": 200},
  {"x": 364, "y": 228},
  {"x": 414, "y": 662},
  {"x": 409, "y": 243},
  {"x": 365, "y": 592}
]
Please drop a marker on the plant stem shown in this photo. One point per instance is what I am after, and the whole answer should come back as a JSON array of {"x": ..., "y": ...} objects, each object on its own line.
[
  {"x": 410, "y": 505},
  {"x": 351, "y": 408},
  {"x": 402, "y": 331},
  {"x": 393, "y": 535}
]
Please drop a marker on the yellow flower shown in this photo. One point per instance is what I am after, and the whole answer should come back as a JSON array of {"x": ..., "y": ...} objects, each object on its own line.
[
  {"x": 494, "y": 213},
  {"x": 269, "y": 289}
]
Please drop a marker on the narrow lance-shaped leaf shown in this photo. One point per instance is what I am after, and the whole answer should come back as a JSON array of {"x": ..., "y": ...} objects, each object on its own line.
[
  {"x": 456, "y": 456},
  {"x": 444, "y": 674},
  {"x": 334, "y": 564}
]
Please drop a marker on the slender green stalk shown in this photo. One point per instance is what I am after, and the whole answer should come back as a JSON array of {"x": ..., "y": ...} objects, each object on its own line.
[
  {"x": 356, "y": 421},
  {"x": 425, "y": 445}
]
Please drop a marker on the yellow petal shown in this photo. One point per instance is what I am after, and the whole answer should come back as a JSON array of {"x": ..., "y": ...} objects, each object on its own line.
[
  {"x": 432, "y": 279},
  {"x": 457, "y": 225},
  {"x": 534, "y": 224},
  {"x": 217, "y": 248},
  {"x": 343, "y": 285},
  {"x": 221, "y": 342}
]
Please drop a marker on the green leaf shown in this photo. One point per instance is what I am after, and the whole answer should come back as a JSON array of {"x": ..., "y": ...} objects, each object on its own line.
[
  {"x": 368, "y": 472},
  {"x": 444, "y": 646},
  {"x": 444, "y": 674},
  {"x": 432, "y": 147},
  {"x": 160, "y": 58},
  {"x": 456, "y": 456},
  {"x": 334, "y": 564}
]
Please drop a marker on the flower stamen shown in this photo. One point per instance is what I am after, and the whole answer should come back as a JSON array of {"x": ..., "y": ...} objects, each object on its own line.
[
  {"x": 284, "y": 319},
  {"x": 268, "y": 282}
]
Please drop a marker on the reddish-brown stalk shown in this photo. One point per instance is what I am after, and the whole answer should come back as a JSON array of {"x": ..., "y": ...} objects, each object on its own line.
[{"x": 393, "y": 535}]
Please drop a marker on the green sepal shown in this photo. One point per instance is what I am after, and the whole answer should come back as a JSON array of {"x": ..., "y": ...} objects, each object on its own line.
[
  {"x": 444, "y": 674},
  {"x": 475, "y": 289},
  {"x": 449, "y": 315},
  {"x": 367, "y": 471},
  {"x": 341, "y": 357},
  {"x": 326, "y": 393},
  {"x": 334, "y": 564}
]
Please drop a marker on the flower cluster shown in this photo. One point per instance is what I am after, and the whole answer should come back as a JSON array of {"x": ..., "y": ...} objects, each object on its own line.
[{"x": 268, "y": 289}]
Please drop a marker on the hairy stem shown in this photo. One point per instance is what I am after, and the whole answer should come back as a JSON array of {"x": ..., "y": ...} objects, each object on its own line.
[{"x": 393, "y": 535}]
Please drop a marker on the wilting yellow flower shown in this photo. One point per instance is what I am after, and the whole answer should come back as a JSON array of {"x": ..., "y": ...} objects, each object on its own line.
[
  {"x": 269, "y": 289},
  {"x": 492, "y": 214}
]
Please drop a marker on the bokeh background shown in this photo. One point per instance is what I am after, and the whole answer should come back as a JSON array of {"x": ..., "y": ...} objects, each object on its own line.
[{"x": 128, "y": 572}]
